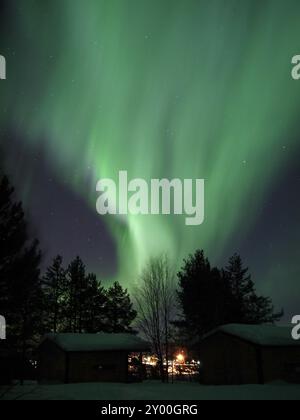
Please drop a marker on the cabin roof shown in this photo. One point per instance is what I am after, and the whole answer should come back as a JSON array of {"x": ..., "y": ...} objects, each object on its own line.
[
  {"x": 97, "y": 342},
  {"x": 263, "y": 335}
]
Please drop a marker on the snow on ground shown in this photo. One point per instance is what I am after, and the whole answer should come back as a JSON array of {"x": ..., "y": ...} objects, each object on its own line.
[{"x": 150, "y": 390}]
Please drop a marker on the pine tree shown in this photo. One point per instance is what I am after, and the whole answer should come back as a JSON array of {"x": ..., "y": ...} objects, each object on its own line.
[
  {"x": 119, "y": 309},
  {"x": 89, "y": 308},
  {"x": 242, "y": 288},
  {"x": 210, "y": 297},
  {"x": 202, "y": 296},
  {"x": 13, "y": 237},
  {"x": 54, "y": 289},
  {"x": 95, "y": 306},
  {"x": 246, "y": 306},
  {"x": 20, "y": 285},
  {"x": 76, "y": 293}
]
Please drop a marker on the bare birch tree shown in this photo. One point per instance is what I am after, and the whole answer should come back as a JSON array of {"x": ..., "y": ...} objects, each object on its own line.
[{"x": 155, "y": 302}]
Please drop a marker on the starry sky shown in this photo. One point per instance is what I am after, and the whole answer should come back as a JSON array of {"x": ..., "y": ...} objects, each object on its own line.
[{"x": 160, "y": 88}]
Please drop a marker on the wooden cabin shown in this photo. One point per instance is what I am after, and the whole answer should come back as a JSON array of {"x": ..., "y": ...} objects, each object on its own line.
[
  {"x": 76, "y": 358},
  {"x": 249, "y": 354}
]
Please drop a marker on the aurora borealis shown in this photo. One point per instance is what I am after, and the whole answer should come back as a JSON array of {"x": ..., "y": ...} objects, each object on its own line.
[{"x": 161, "y": 88}]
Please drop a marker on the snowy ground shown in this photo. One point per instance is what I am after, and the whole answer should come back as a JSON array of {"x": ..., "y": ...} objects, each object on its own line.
[{"x": 150, "y": 391}]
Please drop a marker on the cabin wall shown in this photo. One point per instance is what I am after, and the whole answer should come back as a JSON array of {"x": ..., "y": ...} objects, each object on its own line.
[
  {"x": 52, "y": 363},
  {"x": 98, "y": 367},
  {"x": 282, "y": 363},
  {"x": 226, "y": 360},
  {"x": 57, "y": 366}
]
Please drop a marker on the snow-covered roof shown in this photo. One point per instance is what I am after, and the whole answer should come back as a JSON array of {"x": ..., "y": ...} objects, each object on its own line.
[
  {"x": 97, "y": 342},
  {"x": 263, "y": 335}
]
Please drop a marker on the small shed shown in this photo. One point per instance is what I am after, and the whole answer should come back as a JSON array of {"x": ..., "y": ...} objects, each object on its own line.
[
  {"x": 249, "y": 354},
  {"x": 75, "y": 358}
]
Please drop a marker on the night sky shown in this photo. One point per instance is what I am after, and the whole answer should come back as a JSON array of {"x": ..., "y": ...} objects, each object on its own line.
[{"x": 160, "y": 88}]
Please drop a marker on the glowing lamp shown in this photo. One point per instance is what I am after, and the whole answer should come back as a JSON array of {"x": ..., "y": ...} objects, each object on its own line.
[{"x": 180, "y": 358}]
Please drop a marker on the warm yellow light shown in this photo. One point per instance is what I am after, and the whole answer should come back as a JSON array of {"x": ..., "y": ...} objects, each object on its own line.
[{"x": 180, "y": 358}]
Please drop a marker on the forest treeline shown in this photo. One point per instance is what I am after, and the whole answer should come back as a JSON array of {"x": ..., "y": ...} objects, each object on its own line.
[
  {"x": 165, "y": 307},
  {"x": 75, "y": 301}
]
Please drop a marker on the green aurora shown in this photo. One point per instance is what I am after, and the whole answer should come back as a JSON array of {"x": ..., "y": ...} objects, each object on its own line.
[{"x": 160, "y": 88}]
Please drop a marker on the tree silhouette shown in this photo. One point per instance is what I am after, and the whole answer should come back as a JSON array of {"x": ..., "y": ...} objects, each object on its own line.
[
  {"x": 55, "y": 288},
  {"x": 20, "y": 285},
  {"x": 76, "y": 302},
  {"x": 210, "y": 297},
  {"x": 76, "y": 293},
  {"x": 202, "y": 295},
  {"x": 155, "y": 302},
  {"x": 95, "y": 319},
  {"x": 119, "y": 309},
  {"x": 13, "y": 239},
  {"x": 246, "y": 306}
]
